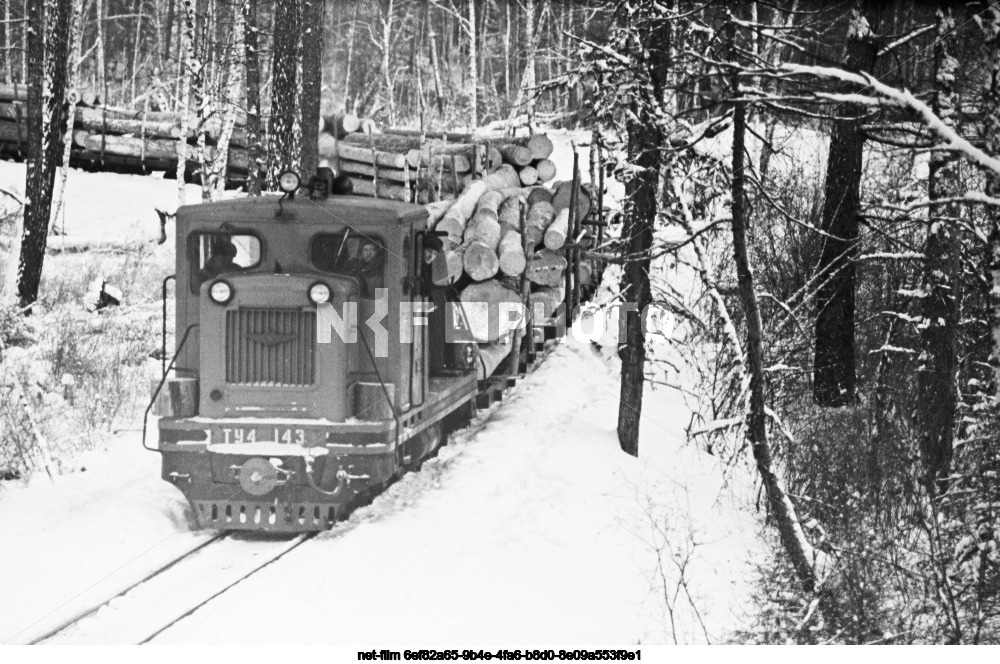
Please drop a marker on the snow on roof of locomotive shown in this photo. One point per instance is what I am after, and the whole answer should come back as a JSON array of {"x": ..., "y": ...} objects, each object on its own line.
[{"x": 351, "y": 209}]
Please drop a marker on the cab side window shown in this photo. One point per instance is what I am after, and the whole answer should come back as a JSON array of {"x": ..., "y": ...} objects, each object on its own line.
[
  {"x": 215, "y": 254},
  {"x": 351, "y": 254}
]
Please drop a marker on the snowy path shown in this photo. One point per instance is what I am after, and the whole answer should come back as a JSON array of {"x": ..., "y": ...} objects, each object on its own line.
[
  {"x": 151, "y": 606},
  {"x": 532, "y": 527},
  {"x": 86, "y": 538},
  {"x": 537, "y": 529}
]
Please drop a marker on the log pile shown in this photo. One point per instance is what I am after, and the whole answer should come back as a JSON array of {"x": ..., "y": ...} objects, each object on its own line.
[
  {"x": 407, "y": 165},
  {"x": 495, "y": 266},
  {"x": 125, "y": 140}
]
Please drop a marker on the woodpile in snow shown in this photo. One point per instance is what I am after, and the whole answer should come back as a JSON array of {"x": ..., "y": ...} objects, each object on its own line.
[{"x": 128, "y": 141}]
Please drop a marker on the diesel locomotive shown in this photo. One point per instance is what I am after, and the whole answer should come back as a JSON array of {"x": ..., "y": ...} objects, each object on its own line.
[{"x": 314, "y": 361}]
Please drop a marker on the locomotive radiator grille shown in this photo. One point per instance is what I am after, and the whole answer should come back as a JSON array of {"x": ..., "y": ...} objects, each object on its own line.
[{"x": 270, "y": 347}]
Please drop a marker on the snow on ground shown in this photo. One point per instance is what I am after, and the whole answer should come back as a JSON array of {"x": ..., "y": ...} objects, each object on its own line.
[
  {"x": 71, "y": 543},
  {"x": 537, "y": 529},
  {"x": 532, "y": 527},
  {"x": 103, "y": 208}
]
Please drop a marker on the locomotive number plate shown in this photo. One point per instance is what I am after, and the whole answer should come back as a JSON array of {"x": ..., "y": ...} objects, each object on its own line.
[{"x": 239, "y": 435}]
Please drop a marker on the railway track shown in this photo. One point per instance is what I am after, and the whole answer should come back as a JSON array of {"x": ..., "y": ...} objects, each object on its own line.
[
  {"x": 151, "y": 606},
  {"x": 174, "y": 591}
]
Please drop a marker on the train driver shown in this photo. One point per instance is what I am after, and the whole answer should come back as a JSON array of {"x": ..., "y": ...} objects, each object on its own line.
[{"x": 221, "y": 257}]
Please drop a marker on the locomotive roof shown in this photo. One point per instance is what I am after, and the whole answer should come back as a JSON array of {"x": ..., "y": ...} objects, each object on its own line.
[{"x": 353, "y": 209}]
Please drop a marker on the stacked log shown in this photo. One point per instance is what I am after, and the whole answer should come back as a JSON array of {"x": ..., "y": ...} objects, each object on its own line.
[
  {"x": 430, "y": 166},
  {"x": 127, "y": 140},
  {"x": 496, "y": 264}
]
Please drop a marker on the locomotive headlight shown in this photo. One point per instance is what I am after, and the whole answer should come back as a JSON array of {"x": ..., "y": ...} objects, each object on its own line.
[
  {"x": 220, "y": 292},
  {"x": 289, "y": 182},
  {"x": 319, "y": 292}
]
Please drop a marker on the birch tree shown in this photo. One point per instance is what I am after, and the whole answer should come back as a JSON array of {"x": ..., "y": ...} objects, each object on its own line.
[
  {"x": 48, "y": 39},
  {"x": 284, "y": 144}
]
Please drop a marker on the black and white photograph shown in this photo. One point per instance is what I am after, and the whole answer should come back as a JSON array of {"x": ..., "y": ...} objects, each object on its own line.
[{"x": 472, "y": 330}]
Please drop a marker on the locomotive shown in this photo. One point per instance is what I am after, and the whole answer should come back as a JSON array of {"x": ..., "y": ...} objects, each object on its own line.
[{"x": 314, "y": 362}]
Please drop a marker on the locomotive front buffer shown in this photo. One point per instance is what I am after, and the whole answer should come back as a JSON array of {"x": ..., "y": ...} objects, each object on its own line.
[{"x": 315, "y": 360}]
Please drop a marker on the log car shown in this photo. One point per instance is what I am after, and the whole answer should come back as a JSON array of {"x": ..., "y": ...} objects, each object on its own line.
[{"x": 268, "y": 421}]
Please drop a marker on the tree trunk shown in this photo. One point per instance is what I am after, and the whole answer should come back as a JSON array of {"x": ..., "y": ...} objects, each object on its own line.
[
  {"x": 312, "y": 83},
  {"x": 48, "y": 46},
  {"x": 792, "y": 538},
  {"x": 284, "y": 96},
  {"x": 937, "y": 372},
  {"x": 387, "y": 48},
  {"x": 255, "y": 141},
  {"x": 473, "y": 70},
  {"x": 185, "y": 39},
  {"x": 835, "y": 361},
  {"x": 73, "y": 69},
  {"x": 644, "y": 141}
]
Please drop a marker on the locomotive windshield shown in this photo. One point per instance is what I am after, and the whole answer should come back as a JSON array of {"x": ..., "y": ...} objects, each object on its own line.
[
  {"x": 352, "y": 254},
  {"x": 221, "y": 253}
]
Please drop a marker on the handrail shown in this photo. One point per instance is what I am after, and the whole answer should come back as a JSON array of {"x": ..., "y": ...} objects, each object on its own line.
[
  {"x": 163, "y": 379},
  {"x": 163, "y": 348},
  {"x": 392, "y": 405}
]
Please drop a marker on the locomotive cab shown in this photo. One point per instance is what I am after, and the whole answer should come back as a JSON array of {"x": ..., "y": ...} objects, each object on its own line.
[{"x": 302, "y": 376}]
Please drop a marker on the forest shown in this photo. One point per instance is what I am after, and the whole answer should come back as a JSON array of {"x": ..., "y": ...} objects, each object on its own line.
[{"x": 826, "y": 175}]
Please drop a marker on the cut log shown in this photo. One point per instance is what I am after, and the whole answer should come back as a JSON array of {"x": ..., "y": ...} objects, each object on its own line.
[
  {"x": 518, "y": 155},
  {"x": 482, "y": 235},
  {"x": 489, "y": 307},
  {"x": 454, "y": 221},
  {"x": 489, "y": 204},
  {"x": 364, "y": 155},
  {"x": 545, "y": 301},
  {"x": 539, "y": 194},
  {"x": 94, "y": 121},
  {"x": 340, "y": 126},
  {"x": 509, "y": 212},
  {"x": 528, "y": 175},
  {"x": 129, "y": 146},
  {"x": 546, "y": 268},
  {"x": 383, "y": 142},
  {"x": 435, "y": 211},
  {"x": 393, "y": 174},
  {"x": 453, "y": 258},
  {"x": 540, "y": 146},
  {"x": 546, "y": 169},
  {"x": 585, "y": 271},
  {"x": 365, "y": 187},
  {"x": 539, "y": 218},
  {"x": 511, "y": 254},
  {"x": 502, "y": 178},
  {"x": 563, "y": 194},
  {"x": 555, "y": 234},
  {"x": 328, "y": 148},
  {"x": 439, "y": 160},
  {"x": 480, "y": 262},
  {"x": 177, "y": 398},
  {"x": 492, "y": 355},
  {"x": 446, "y": 183}
]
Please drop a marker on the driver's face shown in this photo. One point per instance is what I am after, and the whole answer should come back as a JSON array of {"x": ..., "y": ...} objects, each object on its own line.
[
  {"x": 368, "y": 252},
  {"x": 429, "y": 255}
]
